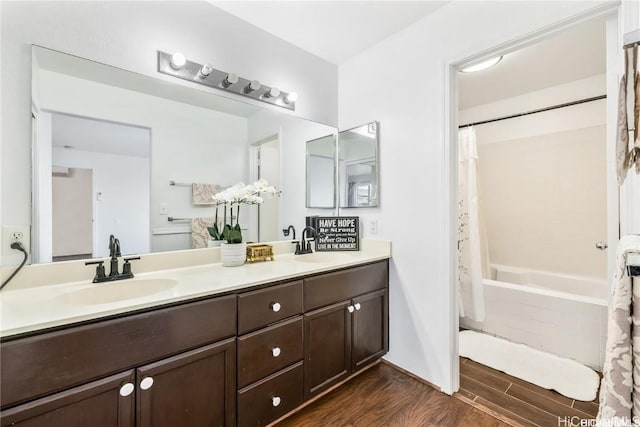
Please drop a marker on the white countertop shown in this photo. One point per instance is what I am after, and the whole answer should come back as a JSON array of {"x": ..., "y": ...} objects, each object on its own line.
[{"x": 31, "y": 308}]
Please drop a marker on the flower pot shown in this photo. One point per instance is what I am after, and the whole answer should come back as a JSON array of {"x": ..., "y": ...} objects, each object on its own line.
[
  {"x": 233, "y": 254},
  {"x": 214, "y": 243}
]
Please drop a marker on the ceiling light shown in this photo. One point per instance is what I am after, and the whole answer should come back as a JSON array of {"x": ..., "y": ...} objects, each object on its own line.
[
  {"x": 482, "y": 65},
  {"x": 230, "y": 80},
  {"x": 291, "y": 98},
  {"x": 178, "y": 60},
  {"x": 206, "y": 70},
  {"x": 274, "y": 92},
  {"x": 254, "y": 85}
]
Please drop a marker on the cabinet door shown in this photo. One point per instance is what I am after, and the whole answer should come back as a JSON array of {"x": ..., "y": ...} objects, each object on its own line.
[
  {"x": 103, "y": 403},
  {"x": 327, "y": 350},
  {"x": 196, "y": 388},
  {"x": 370, "y": 328}
]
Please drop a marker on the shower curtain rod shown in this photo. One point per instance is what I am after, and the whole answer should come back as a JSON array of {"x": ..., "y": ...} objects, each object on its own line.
[{"x": 540, "y": 110}]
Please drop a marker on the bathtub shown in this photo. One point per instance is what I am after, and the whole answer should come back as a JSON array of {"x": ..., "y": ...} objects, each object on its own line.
[{"x": 559, "y": 314}]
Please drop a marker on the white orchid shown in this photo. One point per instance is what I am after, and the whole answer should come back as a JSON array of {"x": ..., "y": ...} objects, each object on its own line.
[{"x": 236, "y": 195}]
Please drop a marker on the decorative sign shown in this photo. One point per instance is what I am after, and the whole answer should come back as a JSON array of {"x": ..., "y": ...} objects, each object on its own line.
[{"x": 338, "y": 233}]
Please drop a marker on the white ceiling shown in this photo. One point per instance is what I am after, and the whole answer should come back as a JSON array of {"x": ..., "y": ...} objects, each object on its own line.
[
  {"x": 577, "y": 53},
  {"x": 99, "y": 136},
  {"x": 332, "y": 30}
]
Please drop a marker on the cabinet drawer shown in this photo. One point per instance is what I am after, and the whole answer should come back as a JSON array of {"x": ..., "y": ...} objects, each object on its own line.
[
  {"x": 34, "y": 366},
  {"x": 268, "y": 350},
  {"x": 269, "y": 305},
  {"x": 330, "y": 288},
  {"x": 271, "y": 398}
]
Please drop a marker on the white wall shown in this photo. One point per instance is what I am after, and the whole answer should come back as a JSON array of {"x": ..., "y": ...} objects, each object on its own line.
[
  {"x": 42, "y": 221},
  {"x": 123, "y": 210},
  {"x": 127, "y": 35},
  {"x": 407, "y": 72}
]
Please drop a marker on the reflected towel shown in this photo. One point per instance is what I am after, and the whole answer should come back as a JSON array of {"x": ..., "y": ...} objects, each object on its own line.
[
  {"x": 202, "y": 194},
  {"x": 628, "y": 154},
  {"x": 199, "y": 233},
  {"x": 620, "y": 387}
]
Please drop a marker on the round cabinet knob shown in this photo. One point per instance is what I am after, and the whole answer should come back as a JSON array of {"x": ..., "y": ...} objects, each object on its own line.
[
  {"x": 126, "y": 389},
  {"x": 275, "y": 401},
  {"x": 275, "y": 351},
  {"x": 357, "y": 306},
  {"x": 146, "y": 383},
  {"x": 351, "y": 309},
  {"x": 276, "y": 307}
]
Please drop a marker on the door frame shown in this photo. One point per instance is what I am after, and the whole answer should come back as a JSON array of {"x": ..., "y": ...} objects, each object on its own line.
[
  {"x": 449, "y": 153},
  {"x": 254, "y": 174}
]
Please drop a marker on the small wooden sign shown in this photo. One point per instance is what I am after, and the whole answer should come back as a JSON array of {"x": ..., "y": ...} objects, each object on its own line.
[{"x": 338, "y": 233}]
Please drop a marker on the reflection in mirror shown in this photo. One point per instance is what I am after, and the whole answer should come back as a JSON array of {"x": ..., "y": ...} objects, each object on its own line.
[
  {"x": 358, "y": 166},
  {"x": 107, "y": 143},
  {"x": 321, "y": 172}
]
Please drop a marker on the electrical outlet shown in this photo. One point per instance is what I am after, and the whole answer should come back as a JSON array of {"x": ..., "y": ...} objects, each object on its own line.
[
  {"x": 373, "y": 226},
  {"x": 15, "y": 233}
]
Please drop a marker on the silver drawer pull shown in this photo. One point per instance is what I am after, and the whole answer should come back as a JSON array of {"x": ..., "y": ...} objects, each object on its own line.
[
  {"x": 126, "y": 389},
  {"x": 275, "y": 351},
  {"x": 146, "y": 383},
  {"x": 351, "y": 309},
  {"x": 275, "y": 401},
  {"x": 357, "y": 306},
  {"x": 276, "y": 306}
]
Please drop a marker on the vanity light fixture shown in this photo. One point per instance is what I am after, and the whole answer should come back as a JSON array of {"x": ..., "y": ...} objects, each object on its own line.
[
  {"x": 230, "y": 79},
  {"x": 291, "y": 98},
  {"x": 177, "y": 65},
  {"x": 481, "y": 65},
  {"x": 177, "y": 61},
  {"x": 254, "y": 85}
]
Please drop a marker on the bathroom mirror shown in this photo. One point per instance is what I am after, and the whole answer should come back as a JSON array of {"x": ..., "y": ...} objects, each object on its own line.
[
  {"x": 358, "y": 166},
  {"x": 321, "y": 172},
  {"x": 117, "y": 152}
]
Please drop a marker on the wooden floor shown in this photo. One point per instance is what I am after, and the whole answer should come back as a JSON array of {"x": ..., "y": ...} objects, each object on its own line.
[
  {"x": 384, "y": 396},
  {"x": 517, "y": 401}
]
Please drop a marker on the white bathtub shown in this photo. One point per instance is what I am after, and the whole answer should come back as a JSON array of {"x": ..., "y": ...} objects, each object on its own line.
[{"x": 559, "y": 314}]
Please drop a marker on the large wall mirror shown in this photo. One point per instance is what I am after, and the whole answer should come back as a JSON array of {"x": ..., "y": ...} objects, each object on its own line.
[{"x": 116, "y": 152}]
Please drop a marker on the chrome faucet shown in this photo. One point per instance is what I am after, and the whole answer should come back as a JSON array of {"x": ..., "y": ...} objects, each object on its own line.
[{"x": 114, "y": 253}]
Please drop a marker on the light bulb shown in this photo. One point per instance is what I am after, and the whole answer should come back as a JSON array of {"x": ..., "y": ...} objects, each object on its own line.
[
  {"x": 230, "y": 80},
  {"x": 254, "y": 85},
  {"x": 274, "y": 92},
  {"x": 291, "y": 97},
  {"x": 178, "y": 60},
  {"x": 482, "y": 65},
  {"x": 206, "y": 70}
]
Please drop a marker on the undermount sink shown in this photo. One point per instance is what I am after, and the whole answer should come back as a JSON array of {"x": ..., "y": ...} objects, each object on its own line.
[
  {"x": 110, "y": 292},
  {"x": 320, "y": 257}
]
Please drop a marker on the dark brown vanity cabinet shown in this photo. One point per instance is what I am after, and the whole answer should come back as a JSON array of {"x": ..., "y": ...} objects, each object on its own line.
[
  {"x": 348, "y": 333},
  {"x": 121, "y": 372}
]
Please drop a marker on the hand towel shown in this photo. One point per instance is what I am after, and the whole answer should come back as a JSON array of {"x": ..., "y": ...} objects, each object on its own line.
[
  {"x": 202, "y": 194},
  {"x": 199, "y": 233}
]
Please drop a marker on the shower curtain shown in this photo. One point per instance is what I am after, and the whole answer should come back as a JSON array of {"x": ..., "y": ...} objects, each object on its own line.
[{"x": 470, "y": 244}]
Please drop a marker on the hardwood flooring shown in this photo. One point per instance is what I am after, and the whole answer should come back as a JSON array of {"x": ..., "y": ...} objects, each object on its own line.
[
  {"x": 519, "y": 402},
  {"x": 385, "y": 396}
]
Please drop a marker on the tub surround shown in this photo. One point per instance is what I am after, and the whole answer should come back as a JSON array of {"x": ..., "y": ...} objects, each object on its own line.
[{"x": 187, "y": 275}]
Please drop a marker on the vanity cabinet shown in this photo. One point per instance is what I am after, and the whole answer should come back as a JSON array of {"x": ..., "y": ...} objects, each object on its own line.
[{"x": 344, "y": 336}]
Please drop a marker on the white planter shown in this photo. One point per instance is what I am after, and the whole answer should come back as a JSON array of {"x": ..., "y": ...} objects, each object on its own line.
[
  {"x": 233, "y": 254},
  {"x": 214, "y": 243}
]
